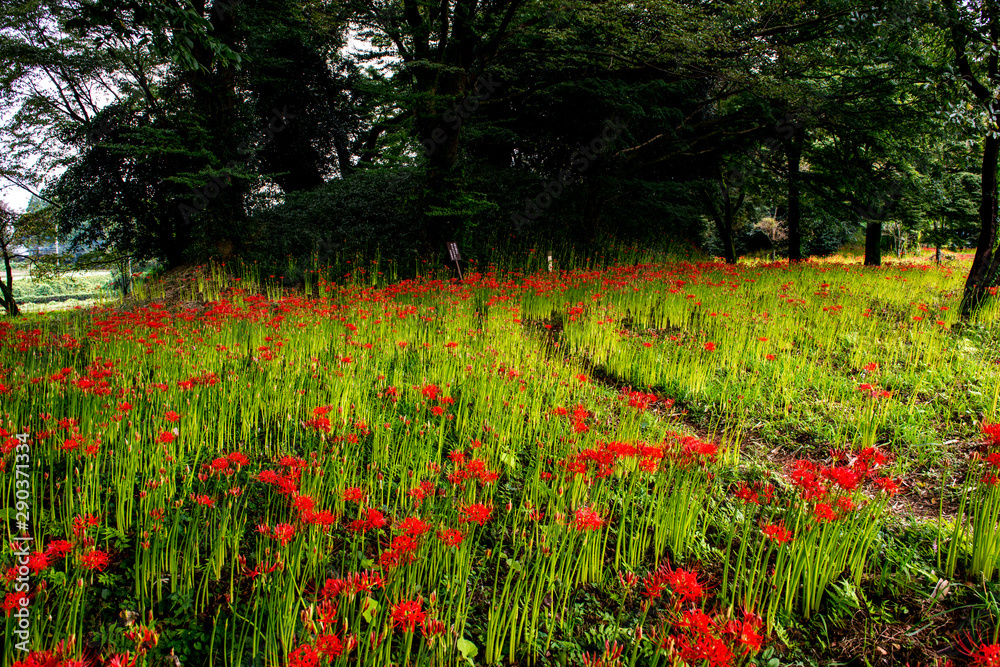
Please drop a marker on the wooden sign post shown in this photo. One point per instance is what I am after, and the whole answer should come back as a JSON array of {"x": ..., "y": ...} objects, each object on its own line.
[{"x": 455, "y": 257}]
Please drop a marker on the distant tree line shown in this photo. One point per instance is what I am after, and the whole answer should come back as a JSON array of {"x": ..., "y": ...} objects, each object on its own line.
[{"x": 184, "y": 129}]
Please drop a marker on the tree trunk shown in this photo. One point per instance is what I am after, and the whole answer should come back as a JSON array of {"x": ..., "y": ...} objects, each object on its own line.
[
  {"x": 439, "y": 133},
  {"x": 986, "y": 263},
  {"x": 873, "y": 243},
  {"x": 937, "y": 244},
  {"x": 221, "y": 227},
  {"x": 794, "y": 153},
  {"x": 7, "y": 290}
]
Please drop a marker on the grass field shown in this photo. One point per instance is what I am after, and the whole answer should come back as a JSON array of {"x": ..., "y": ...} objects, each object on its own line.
[{"x": 656, "y": 462}]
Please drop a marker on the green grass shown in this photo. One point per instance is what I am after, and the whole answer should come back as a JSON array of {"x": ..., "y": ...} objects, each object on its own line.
[{"x": 594, "y": 436}]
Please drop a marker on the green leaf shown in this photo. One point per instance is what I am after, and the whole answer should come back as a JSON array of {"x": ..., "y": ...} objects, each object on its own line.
[
  {"x": 468, "y": 650},
  {"x": 370, "y": 609}
]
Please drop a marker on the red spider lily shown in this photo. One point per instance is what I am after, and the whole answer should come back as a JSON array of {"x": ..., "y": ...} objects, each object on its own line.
[
  {"x": 166, "y": 437},
  {"x": 745, "y": 632},
  {"x": 236, "y": 458},
  {"x": 451, "y": 536},
  {"x": 684, "y": 583},
  {"x": 208, "y": 501},
  {"x": 220, "y": 464},
  {"x": 476, "y": 513},
  {"x": 171, "y": 416},
  {"x": 845, "y": 504},
  {"x": 992, "y": 433},
  {"x": 745, "y": 493},
  {"x": 59, "y": 549},
  {"x": 710, "y": 347},
  {"x": 304, "y": 656},
  {"x": 984, "y": 655},
  {"x": 697, "y": 621},
  {"x": 588, "y": 519},
  {"x": 94, "y": 560},
  {"x": 628, "y": 580},
  {"x": 404, "y": 545},
  {"x": 329, "y": 646},
  {"x": 413, "y": 526},
  {"x": 374, "y": 519},
  {"x": 407, "y": 614},
  {"x": 846, "y": 478},
  {"x": 321, "y": 518},
  {"x": 704, "y": 647},
  {"x": 804, "y": 475},
  {"x": 15, "y": 601},
  {"x": 430, "y": 391},
  {"x": 887, "y": 485},
  {"x": 653, "y": 585},
  {"x": 304, "y": 504},
  {"x": 824, "y": 513},
  {"x": 82, "y": 523},
  {"x": 353, "y": 494},
  {"x": 778, "y": 533},
  {"x": 284, "y": 532}
]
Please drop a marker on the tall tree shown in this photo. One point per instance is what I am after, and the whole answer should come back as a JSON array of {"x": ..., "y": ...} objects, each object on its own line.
[{"x": 975, "y": 32}]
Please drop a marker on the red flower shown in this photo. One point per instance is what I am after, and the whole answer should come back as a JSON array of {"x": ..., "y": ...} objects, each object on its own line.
[
  {"x": 888, "y": 485},
  {"x": 208, "y": 501},
  {"x": 374, "y": 519},
  {"x": 171, "y": 416},
  {"x": 845, "y": 504},
  {"x": 284, "y": 532},
  {"x": 588, "y": 519},
  {"x": 413, "y": 526},
  {"x": 746, "y": 494},
  {"x": 330, "y": 646},
  {"x": 992, "y": 433},
  {"x": 778, "y": 533},
  {"x": 353, "y": 495},
  {"x": 59, "y": 548},
  {"x": 407, "y": 614},
  {"x": 710, "y": 347},
  {"x": 477, "y": 513},
  {"x": 304, "y": 656},
  {"x": 94, "y": 560},
  {"x": 824, "y": 512},
  {"x": 451, "y": 536},
  {"x": 166, "y": 437},
  {"x": 236, "y": 458},
  {"x": 683, "y": 583},
  {"x": 304, "y": 504},
  {"x": 13, "y": 601}
]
